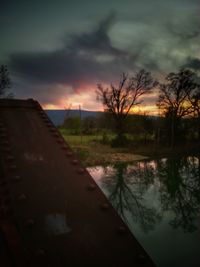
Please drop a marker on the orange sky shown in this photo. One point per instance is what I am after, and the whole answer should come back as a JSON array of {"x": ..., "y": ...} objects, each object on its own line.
[{"x": 86, "y": 98}]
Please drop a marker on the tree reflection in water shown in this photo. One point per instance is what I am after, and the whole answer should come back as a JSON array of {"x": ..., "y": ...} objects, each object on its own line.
[
  {"x": 126, "y": 193},
  {"x": 176, "y": 179},
  {"x": 180, "y": 190}
]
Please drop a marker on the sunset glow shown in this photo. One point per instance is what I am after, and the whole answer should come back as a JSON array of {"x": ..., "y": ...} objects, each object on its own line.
[
  {"x": 142, "y": 110},
  {"x": 60, "y": 61},
  {"x": 86, "y": 98}
]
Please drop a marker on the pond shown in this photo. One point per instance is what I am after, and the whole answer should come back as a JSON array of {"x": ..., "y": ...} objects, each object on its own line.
[{"x": 160, "y": 202}]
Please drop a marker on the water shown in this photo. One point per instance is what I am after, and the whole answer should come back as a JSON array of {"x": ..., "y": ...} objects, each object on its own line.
[{"x": 160, "y": 202}]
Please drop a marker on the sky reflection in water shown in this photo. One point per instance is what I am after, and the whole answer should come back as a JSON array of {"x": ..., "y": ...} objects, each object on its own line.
[{"x": 160, "y": 201}]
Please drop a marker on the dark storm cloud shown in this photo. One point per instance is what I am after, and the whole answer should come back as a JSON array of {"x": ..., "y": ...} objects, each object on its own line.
[
  {"x": 186, "y": 27},
  {"x": 98, "y": 40},
  {"x": 89, "y": 57},
  {"x": 160, "y": 36},
  {"x": 193, "y": 63}
]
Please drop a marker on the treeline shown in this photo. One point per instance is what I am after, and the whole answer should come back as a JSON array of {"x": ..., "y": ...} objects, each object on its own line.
[
  {"x": 178, "y": 102},
  {"x": 138, "y": 129}
]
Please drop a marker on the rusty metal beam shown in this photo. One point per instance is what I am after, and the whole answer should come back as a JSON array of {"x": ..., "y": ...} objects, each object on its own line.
[{"x": 55, "y": 213}]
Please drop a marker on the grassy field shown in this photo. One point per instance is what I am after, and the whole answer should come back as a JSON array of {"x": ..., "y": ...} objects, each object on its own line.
[
  {"x": 76, "y": 140},
  {"x": 97, "y": 149}
]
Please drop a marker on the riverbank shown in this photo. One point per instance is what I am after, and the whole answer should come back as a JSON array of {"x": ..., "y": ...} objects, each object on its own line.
[
  {"x": 90, "y": 150},
  {"x": 99, "y": 154}
]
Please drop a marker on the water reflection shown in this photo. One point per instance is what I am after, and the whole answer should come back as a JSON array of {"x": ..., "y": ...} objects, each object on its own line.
[
  {"x": 126, "y": 194},
  {"x": 160, "y": 201},
  {"x": 146, "y": 190},
  {"x": 180, "y": 190}
]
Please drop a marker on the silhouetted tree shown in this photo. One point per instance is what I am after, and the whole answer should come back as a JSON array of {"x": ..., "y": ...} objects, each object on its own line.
[
  {"x": 118, "y": 100},
  {"x": 174, "y": 100},
  {"x": 73, "y": 125},
  {"x": 125, "y": 191},
  {"x": 140, "y": 126},
  {"x": 4, "y": 81},
  {"x": 195, "y": 102},
  {"x": 89, "y": 125},
  {"x": 180, "y": 190}
]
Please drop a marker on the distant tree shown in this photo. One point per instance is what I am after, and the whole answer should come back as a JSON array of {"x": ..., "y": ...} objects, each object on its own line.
[
  {"x": 89, "y": 125},
  {"x": 4, "y": 81},
  {"x": 180, "y": 190},
  {"x": 140, "y": 126},
  {"x": 174, "y": 100},
  {"x": 119, "y": 100},
  {"x": 195, "y": 102},
  {"x": 73, "y": 125}
]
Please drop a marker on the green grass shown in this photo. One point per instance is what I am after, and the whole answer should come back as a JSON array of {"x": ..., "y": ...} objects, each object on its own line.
[
  {"x": 84, "y": 140},
  {"x": 97, "y": 149},
  {"x": 91, "y": 149}
]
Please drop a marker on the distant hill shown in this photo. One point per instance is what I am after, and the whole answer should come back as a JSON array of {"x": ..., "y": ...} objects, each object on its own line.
[{"x": 58, "y": 116}]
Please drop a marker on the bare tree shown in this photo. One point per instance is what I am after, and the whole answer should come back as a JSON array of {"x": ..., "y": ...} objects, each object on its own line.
[
  {"x": 119, "y": 100},
  {"x": 4, "y": 80},
  {"x": 195, "y": 102},
  {"x": 174, "y": 99}
]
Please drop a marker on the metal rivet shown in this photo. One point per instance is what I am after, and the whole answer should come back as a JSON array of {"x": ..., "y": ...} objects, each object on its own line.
[
  {"x": 22, "y": 197},
  {"x": 13, "y": 167},
  {"x": 3, "y": 210},
  {"x": 40, "y": 252},
  {"x": 81, "y": 171},
  {"x": 7, "y": 201},
  {"x": 2, "y": 135},
  {"x": 7, "y": 149},
  {"x": 2, "y": 129},
  {"x": 52, "y": 129},
  {"x": 54, "y": 132},
  {"x": 104, "y": 206},
  {"x": 3, "y": 183},
  {"x": 59, "y": 141},
  {"x": 6, "y": 146},
  {"x": 16, "y": 178},
  {"x": 5, "y": 192},
  {"x": 121, "y": 230},
  {"x": 9, "y": 211},
  {"x": 141, "y": 258},
  {"x": 5, "y": 143},
  {"x": 30, "y": 223},
  {"x": 9, "y": 158},
  {"x": 69, "y": 154},
  {"x": 42, "y": 116},
  {"x": 74, "y": 161},
  {"x": 91, "y": 187}
]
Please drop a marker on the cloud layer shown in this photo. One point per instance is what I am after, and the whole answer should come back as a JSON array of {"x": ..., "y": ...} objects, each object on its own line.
[{"x": 157, "y": 41}]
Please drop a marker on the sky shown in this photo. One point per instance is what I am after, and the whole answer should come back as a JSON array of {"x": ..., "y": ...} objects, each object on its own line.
[{"x": 58, "y": 51}]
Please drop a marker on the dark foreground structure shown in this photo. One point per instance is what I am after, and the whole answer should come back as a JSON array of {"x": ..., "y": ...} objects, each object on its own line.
[{"x": 51, "y": 211}]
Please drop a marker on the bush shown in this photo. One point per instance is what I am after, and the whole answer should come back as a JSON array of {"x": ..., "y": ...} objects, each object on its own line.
[{"x": 120, "y": 141}]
